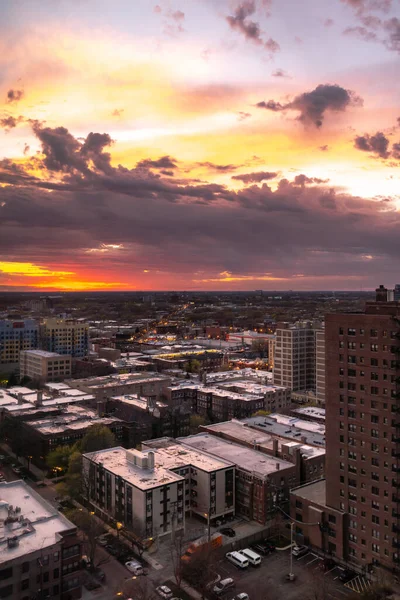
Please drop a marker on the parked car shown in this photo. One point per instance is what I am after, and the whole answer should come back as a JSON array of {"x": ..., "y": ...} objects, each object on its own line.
[
  {"x": 164, "y": 592},
  {"x": 241, "y": 596},
  {"x": 103, "y": 539},
  {"x": 111, "y": 549},
  {"x": 347, "y": 575},
  {"x": 134, "y": 567},
  {"x": 299, "y": 551},
  {"x": 270, "y": 545},
  {"x": 228, "y": 531},
  {"x": 327, "y": 564},
  {"x": 261, "y": 548},
  {"x": 222, "y": 586}
]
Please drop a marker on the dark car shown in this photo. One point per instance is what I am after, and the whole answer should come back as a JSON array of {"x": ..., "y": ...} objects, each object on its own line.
[
  {"x": 99, "y": 573},
  {"x": 269, "y": 545},
  {"x": 111, "y": 549},
  {"x": 228, "y": 531},
  {"x": 346, "y": 575},
  {"x": 261, "y": 548}
]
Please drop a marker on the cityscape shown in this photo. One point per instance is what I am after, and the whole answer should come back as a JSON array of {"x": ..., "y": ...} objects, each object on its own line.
[{"x": 199, "y": 300}]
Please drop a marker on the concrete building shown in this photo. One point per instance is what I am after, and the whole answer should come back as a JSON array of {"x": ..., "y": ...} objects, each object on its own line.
[
  {"x": 260, "y": 478},
  {"x": 65, "y": 336},
  {"x": 42, "y": 366},
  {"x": 147, "y": 385},
  {"x": 40, "y": 551},
  {"x": 14, "y": 337},
  {"x": 294, "y": 362},
  {"x": 150, "y": 491},
  {"x": 320, "y": 366},
  {"x": 362, "y": 438}
]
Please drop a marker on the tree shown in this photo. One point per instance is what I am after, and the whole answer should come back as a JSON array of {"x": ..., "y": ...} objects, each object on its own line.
[
  {"x": 59, "y": 458},
  {"x": 260, "y": 347},
  {"x": 90, "y": 527},
  {"x": 195, "y": 422},
  {"x": 261, "y": 413},
  {"x": 76, "y": 482},
  {"x": 98, "y": 437},
  {"x": 199, "y": 570},
  {"x": 139, "y": 588}
]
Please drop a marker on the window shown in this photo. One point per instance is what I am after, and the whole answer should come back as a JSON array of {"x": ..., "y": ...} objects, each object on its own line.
[
  {"x": 6, "y": 591},
  {"x": 351, "y": 331},
  {"x": 56, "y": 573},
  {"x": 299, "y": 504},
  {"x": 375, "y": 490},
  {"x": 374, "y": 333},
  {"x": 25, "y": 567},
  {"x": 24, "y": 584},
  {"x": 6, "y": 573},
  {"x": 374, "y": 362},
  {"x": 332, "y": 519}
]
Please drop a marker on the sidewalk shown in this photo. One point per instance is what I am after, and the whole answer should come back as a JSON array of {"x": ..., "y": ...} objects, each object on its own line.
[{"x": 35, "y": 470}]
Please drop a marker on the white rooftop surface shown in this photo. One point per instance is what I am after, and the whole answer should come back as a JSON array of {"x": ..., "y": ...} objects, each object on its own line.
[
  {"x": 77, "y": 417},
  {"x": 18, "y": 389},
  {"x": 244, "y": 458},
  {"x": 135, "y": 400},
  {"x": 68, "y": 391},
  {"x": 57, "y": 386},
  {"x": 43, "y": 521},
  {"x": 115, "y": 461},
  {"x": 175, "y": 456},
  {"x": 253, "y": 388},
  {"x": 311, "y": 411},
  {"x": 46, "y": 354},
  {"x": 299, "y": 423}
]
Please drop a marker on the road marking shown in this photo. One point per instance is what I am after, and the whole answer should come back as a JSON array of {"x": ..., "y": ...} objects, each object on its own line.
[
  {"x": 330, "y": 570},
  {"x": 301, "y": 557},
  {"x": 313, "y": 560}
]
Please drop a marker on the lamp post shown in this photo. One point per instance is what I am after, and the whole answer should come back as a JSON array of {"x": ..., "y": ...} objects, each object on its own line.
[
  {"x": 207, "y": 516},
  {"x": 291, "y": 574},
  {"x": 119, "y": 526}
]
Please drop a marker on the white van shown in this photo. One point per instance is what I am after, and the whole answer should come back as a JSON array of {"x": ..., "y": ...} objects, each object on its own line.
[
  {"x": 237, "y": 559},
  {"x": 253, "y": 558}
]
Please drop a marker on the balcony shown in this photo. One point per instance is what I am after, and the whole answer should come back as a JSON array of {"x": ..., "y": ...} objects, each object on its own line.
[
  {"x": 395, "y": 514},
  {"x": 395, "y": 544},
  {"x": 395, "y": 528},
  {"x": 395, "y": 483},
  {"x": 396, "y": 439},
  {"x": 395, "y": 498}
]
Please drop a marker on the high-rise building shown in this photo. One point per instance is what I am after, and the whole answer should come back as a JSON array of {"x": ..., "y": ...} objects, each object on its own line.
[
  {"x": 65, "y": 336},
  {"x": 397, "y": 292},
  {"x": 14, "y": 337},
  {"x": 320, "y": 366},
  {"x": 294, "y": 361},
  {"x": 358, "y": 507}
]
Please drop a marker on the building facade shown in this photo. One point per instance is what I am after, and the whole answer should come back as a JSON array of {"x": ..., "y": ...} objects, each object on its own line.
[
  {"x": 362, "y": 436},
  {"x": 294, "y": 361},
  {"x": 65, "y": 336},
  {"x": 42, "y": 366},
  {"x": 320, "y": 366},
  {"x": 16, "y": 336}
]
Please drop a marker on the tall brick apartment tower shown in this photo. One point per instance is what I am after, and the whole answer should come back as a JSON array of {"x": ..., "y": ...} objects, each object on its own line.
[{"x": 363, "y": 429}]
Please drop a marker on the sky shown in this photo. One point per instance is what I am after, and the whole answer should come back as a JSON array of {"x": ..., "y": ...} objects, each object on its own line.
[{"x": 199, "y": 144}]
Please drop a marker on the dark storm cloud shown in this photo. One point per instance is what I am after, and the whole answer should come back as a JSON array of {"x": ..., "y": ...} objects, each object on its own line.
[
  {"x": 165, "y": 162},
  {"x": 10, "y": 122},
  {"x": 255, "y": 228},
  {"x": 14, "y": 96},
  {"x": 251, "y": 30},
  {"x": 255, "y": 177},
  {"x": 396, "y": 151},
  {"x": 313, "y": 105},
  {"x": 377, "y": 144}
]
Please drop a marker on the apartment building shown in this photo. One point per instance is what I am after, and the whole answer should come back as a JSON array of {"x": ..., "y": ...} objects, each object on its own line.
[
  {"x": 65, "y": 336},
  {"x": 362, "y": 436},
  {"x": 271, "y": 351},
  {"x": 40, "y": 552},
  {"x": 275, "y": 397},
  {"x": 294, "y": 361},
  {"x": 260, "y": 480},
  {"x": 149, "y": 491},
  {"x": 320, "y": 366},
  {"x": 42, "y": 366},
  {"x": 14, "y": 337},
  {"x": 147, "y": 385}
]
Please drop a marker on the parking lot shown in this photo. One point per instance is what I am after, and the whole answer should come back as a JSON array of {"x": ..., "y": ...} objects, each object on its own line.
[{"x": 270, "y": 580}]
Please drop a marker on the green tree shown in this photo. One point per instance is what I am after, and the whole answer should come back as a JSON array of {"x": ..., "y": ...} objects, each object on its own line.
[
  {"x": 12, "y": 380},
  {"x": 59, "y": 458},
  {"x": 98, "y": 437},
  {"x": 261, "y": 413},
  {"x": 91, "y": 528}
]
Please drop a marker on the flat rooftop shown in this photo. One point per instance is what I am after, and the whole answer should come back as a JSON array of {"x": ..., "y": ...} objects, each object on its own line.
[
  {"x": 46, "y": 354},
  {"x": 115, "y": 380},
  {"x": 253, "y": 388},
  {"x": 290, "y": 428},
  {"x": 74, "y": 418},
  {"x": 137, "y": 401},
  {"x": 244, "y": 458},
  {"x": 313, "y": 412},
  {"x": 314, "y": 492},
  {"x": 241, "y": 432},
  {"x": 115, "y": 461},
  {"x": 40, "y": 527},
  {"x": 172, "y": 455}
]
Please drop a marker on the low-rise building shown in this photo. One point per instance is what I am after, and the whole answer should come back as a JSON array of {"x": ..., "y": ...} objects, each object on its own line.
[
  {"x": 42, "y": 366},
  {"x": 40, "y": 551},
  {"x": 149, "y": 385}
]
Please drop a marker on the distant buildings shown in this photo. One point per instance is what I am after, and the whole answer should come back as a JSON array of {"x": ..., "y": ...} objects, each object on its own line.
[
  {"x": 147, "y": 385},
  {"x": 14, "y": 337},
  {"x": 65, "y": 336},
  {"x": 42, "y": 366},
  {"x": 294, "y": 361},
  {"x": 40, "y": 551}
]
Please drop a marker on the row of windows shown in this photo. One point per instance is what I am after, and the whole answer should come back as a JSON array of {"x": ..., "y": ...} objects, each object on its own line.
[{"x": 372, "y": 332}]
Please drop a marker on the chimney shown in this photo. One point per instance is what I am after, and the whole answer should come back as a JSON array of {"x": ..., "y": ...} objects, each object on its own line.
[
  {"x": 150, "y": 460},
  {"x": 277, "y": 466},
  {"x": 381, "y": 294},
  {"x": 20, "y": 398},
  {"x": 275, "y": 447},
  {"x": 39, "y": 399}
]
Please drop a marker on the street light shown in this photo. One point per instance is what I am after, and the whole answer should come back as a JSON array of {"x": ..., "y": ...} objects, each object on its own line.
[
  {"x": 119, "y": 526},
  {"x": 207, "y": 516}
]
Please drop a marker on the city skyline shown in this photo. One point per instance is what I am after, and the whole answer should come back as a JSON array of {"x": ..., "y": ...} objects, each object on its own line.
[{"x": 199, "y": 144}]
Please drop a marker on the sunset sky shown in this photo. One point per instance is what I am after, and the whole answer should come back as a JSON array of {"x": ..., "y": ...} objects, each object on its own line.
[{"x": 199, "y": 144}]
